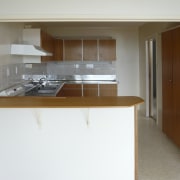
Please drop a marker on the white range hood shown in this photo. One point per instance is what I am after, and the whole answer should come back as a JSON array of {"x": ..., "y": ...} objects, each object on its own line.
[{"x": 30, "y": 50}]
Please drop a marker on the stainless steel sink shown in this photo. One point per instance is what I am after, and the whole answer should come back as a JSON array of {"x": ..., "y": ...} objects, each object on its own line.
[
  {"x": 49, "y": 88},
  {"x": 46, "y": 91}
]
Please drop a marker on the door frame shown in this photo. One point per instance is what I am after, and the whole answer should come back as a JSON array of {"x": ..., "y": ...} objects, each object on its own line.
[{"x": 149, "y": 76}]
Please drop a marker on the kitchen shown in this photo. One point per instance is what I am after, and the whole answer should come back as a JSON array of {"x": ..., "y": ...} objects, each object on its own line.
[
  {"x": 130, "y": 63},
  {"x": 130, "y": 60},
  {"x": 125, "y": 39}
]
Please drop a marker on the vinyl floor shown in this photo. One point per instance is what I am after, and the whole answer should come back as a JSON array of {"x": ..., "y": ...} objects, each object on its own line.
[{"x": 159, "y": 158}]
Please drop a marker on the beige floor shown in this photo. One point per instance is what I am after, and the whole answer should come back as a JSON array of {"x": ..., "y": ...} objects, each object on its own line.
[{"x": 159, "y": 158}]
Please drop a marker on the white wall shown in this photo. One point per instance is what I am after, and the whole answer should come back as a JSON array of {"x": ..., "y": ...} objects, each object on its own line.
[
  {"x": 127, "y": 52},
  {"x": 9, "y": 33},
  {"x": 90, "y": 10},
  {"x": 10, "y": 67}
]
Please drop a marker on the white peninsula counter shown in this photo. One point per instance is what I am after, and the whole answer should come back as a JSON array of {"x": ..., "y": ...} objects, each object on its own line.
[{"x": 45, "y": 138}]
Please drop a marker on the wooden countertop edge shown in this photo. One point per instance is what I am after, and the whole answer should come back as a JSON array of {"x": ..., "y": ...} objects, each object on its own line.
[{"x": 69, "y": 102}]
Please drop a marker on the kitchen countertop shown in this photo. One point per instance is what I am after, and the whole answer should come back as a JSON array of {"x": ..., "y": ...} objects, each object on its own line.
[{"x": 68, "y": 102}]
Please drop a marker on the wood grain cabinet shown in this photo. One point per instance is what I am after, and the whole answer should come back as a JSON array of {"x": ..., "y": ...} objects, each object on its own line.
[
  {"x": 107, "y": 50},
  {"x": 90, "y": 90},
  {"x": 72, "y": 50},
  {"x": 85, "y": 50},
  {"x": 171, "y": 84},
  {"x": 107, "y": 89},
  {"x": 70, "y": 90},
  {"x": 90, "y": 50},
  {"x": 47, "y": 43},
  {"x": 58, "y": 50}
]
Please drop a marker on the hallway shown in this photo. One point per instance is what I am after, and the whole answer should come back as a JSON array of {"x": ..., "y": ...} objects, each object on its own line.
[{"x": 159, "y": 158}]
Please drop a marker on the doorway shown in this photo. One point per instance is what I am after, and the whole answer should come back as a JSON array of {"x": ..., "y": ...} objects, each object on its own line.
[{"x": 151, "y": 83}]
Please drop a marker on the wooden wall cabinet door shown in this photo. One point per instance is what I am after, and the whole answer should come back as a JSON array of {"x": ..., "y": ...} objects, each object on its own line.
[
  {"x": 107, "y": 50},
  {"x": 47, "y": 43},
  {"x": 58, "y": 50},
  {"x": 107, "y": 89},
  {"x": 90, "y": 50},
  {"x": 85, "y": 50},
  {"x": 90, "y": 90},
  {"x": 70, "y": 90},
  {"x": 72, "y": 50}
]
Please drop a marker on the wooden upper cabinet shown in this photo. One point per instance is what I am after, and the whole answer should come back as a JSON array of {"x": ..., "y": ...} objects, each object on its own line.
[
  {"x": 107, "y": 50},
  {"x": 90, "y": 50},
  {"x": 85, "y": 50},
  {"x": 47, "y": 43},
  {"x": 72, "y": 50},
  {"x": 58, "y": 50}
]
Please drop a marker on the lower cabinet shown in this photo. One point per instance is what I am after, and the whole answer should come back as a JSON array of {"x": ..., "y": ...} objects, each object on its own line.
[
  {"x": 70, "y": 90},
  {"x": 90, "y": 90},
  {"x": 73, "y": 90},
  {"x": 108, "y": 90}
]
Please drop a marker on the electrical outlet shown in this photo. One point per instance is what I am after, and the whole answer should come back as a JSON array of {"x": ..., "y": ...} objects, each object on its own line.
[
  {"x": 76, "y": 66},
  {"x": 89, "y": 66},
  {"x": 28, "y": 66}
]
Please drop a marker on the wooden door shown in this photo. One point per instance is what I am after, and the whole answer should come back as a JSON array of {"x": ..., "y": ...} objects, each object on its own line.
[
  {"x": 167, "y": 84},
  {"x": 90, "y": 50},
  {"x": 90, "y": 89},
  {"x": 72, "y": 50},
  {"x": 107, "y": 50},
  {"x": 108, "y": 90},
  {"x": 176, "y": 84}
]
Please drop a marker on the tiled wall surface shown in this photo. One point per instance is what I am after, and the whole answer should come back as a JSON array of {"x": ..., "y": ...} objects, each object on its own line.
[
  {"x": 10, "y": 75},
  {"x": 35, "y": 69},
  {"x": 81, "y": 68},
  {"x": 70, "y": 68}
]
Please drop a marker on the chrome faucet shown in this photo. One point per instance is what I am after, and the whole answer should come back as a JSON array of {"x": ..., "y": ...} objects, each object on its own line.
[{"x": 43, "y": 81}]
